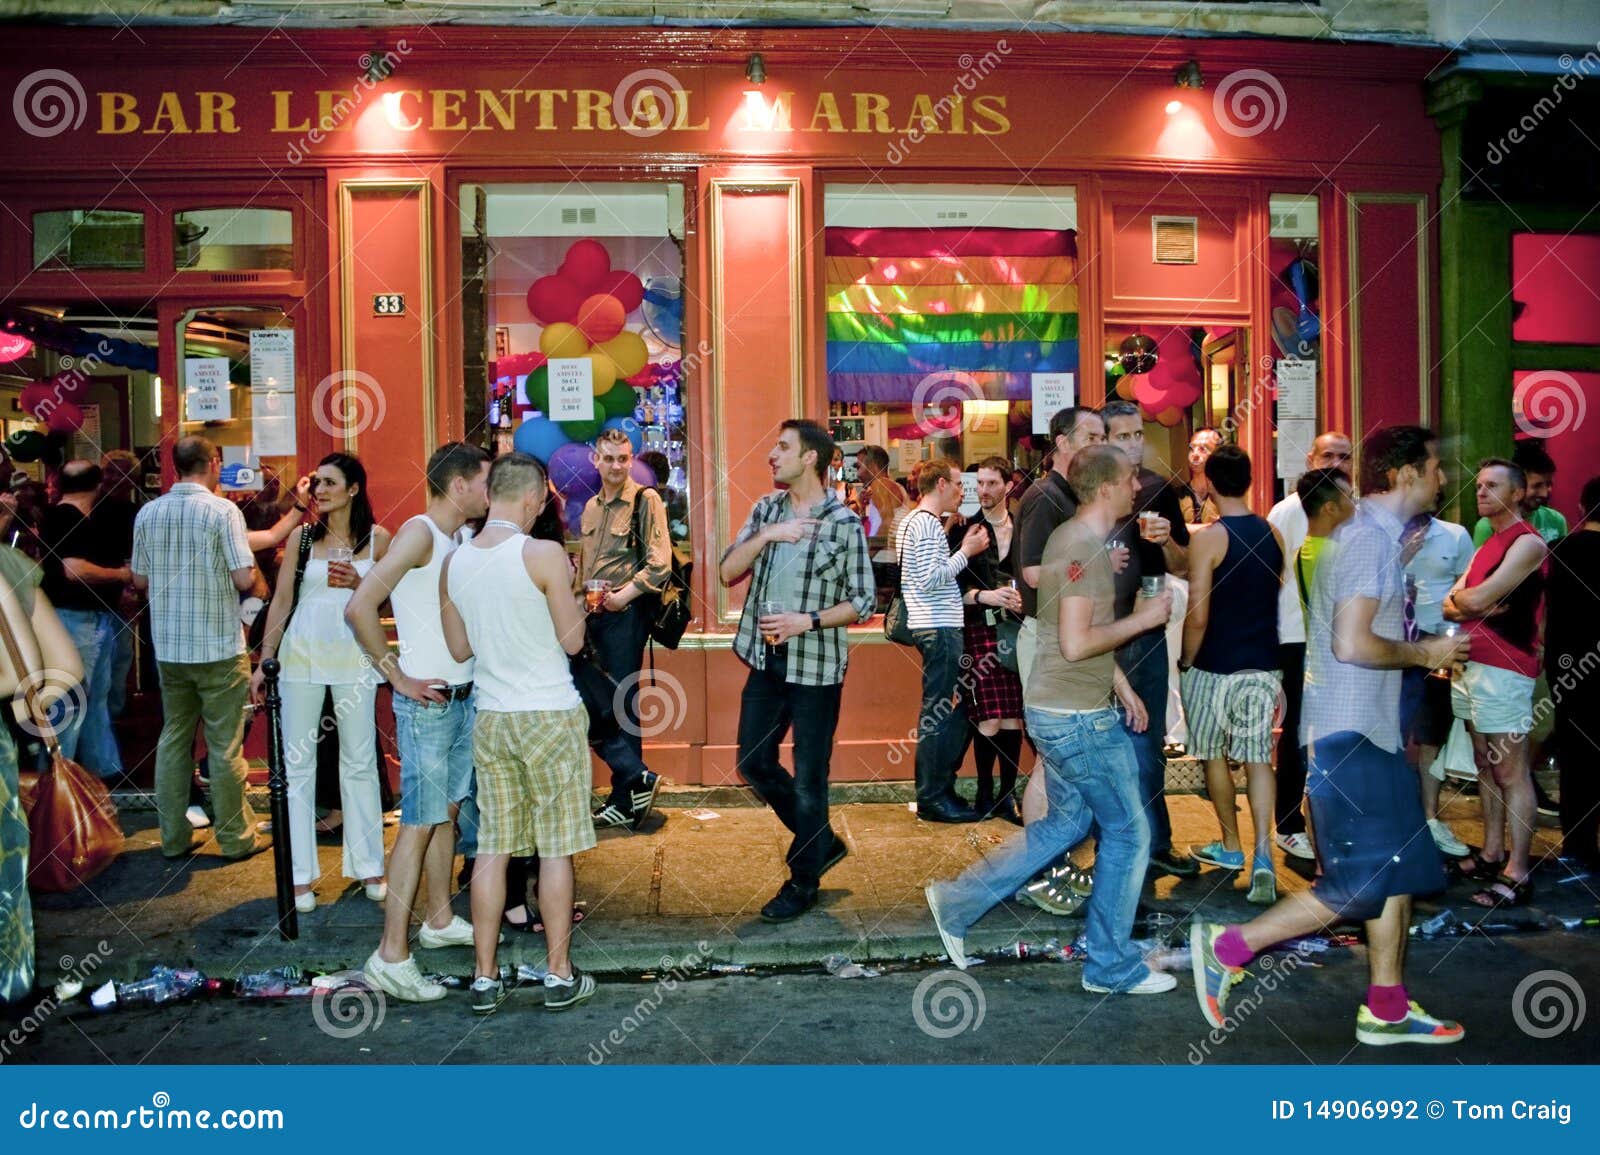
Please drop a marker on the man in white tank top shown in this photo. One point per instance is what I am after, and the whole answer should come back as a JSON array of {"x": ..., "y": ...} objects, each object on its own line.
[
  {"x": 433, "y": 715},
  {"x": 507, "y": 604}
]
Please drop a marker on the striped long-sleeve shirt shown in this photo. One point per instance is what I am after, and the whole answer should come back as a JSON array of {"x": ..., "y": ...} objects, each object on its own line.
[{"x": 928, "y": 573}]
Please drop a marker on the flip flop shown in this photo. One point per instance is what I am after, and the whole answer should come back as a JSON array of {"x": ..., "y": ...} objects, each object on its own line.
[
  {"x": 1504, "y": 892},
  {"x": 578, "y": 915}
]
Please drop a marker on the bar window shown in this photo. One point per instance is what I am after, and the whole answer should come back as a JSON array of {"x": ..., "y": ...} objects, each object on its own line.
[
  {"x": 88, "y": 239},
  {"x": 233, "y": 239}
]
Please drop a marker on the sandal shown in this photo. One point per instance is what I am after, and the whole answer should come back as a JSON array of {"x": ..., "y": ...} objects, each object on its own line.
[
  {"x": 579, "y": 913},
  {"x": 1504, "y": 891},
  {"x": 530, "y": 922},
  {"x": 1481, "y": 870}
]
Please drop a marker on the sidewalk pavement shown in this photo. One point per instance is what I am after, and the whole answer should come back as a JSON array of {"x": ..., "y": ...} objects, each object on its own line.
[{"x": 688, "y": 887}]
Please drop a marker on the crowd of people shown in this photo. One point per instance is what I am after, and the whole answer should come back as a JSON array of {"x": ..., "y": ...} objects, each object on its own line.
[{"x": 1344, "y": 650}]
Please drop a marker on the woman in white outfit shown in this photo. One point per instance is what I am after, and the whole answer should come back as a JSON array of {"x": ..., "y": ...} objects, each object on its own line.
[{"x": 318, "y": 652}]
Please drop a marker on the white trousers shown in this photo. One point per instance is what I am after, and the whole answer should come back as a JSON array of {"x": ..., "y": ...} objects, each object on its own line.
[
  {"x": 1177, "y": 729},
  {"x": 354, "y": 707}
]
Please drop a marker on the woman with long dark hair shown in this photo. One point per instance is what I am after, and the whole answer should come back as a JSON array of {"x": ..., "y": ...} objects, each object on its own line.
[{"x": 308, "y": 635}]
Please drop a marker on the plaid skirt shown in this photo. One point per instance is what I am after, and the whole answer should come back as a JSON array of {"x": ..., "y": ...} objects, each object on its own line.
[{"x": 988, "y": 689}]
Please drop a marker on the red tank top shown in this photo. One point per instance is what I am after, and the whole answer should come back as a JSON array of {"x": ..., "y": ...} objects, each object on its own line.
[{"x": 1507, "y": 640}]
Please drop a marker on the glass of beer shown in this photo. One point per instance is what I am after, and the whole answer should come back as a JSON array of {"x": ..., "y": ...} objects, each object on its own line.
[
  {"x": 1451, "y": 629},
  {"x": 767, "y": 610},
  {"x": 1146, "y": 519},
  {"x": 594, "y": 594}
]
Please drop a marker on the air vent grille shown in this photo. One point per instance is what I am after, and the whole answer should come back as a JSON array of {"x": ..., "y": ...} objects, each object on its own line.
[{"x": 1176, "y": 240}]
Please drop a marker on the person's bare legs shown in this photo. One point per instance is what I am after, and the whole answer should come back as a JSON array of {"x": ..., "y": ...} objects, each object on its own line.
[
  {"x": 488, "y": 900},
  {"x": 439, "y": 861},
  {"x": 1386, "y": 942},
  {"x": 1512, "y": 775},
  {"x": 1491, "y": 799},
  {"x": 1430, "y": 784},
  {"x": 1293, "y": 915},
  {"x": 405, "y": 871},
  {"x": 1261, "y": 787},
  {"x": 555, "y": 908},
  {"x": 1224, "y": 800}
]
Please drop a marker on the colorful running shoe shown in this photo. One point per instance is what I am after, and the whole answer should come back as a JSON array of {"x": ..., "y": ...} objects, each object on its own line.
[
  {"x": 1417, "y": 1027},
  {"x": 1212, "y": 978}
]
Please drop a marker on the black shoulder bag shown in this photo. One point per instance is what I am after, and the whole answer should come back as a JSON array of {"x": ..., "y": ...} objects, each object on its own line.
[{"x": 667, "y": 613}]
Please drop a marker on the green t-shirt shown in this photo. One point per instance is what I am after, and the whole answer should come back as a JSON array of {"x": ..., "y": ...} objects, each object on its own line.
[
  {"x": 1305, "y": 565},
  {"x": 1547, "y": 523}
]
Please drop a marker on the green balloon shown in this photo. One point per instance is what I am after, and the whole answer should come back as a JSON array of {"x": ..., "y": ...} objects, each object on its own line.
[
  {"x": 619, "y": 401},
  {"x": 25, "y": 445},
  {"x": 580, "y": 430},
  {"x": 538, "y": 386}
]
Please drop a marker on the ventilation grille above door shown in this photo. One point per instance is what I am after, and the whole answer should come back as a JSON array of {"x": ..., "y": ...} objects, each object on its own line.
[
  {"x": 581, "y": 216},
  {"x": 1176, "y": 240}
]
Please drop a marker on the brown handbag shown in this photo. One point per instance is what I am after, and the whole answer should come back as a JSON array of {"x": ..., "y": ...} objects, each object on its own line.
[{"x": 73, "y": 829}]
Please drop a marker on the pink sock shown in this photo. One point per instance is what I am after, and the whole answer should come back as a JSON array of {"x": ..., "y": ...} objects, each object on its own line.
[
  {"x": 1231, "y": 948},
  {"x": 1389, "y": 1003}
]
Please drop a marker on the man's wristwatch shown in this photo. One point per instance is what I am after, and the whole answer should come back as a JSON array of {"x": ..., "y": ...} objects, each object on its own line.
[{"x": 816, "y": 620}]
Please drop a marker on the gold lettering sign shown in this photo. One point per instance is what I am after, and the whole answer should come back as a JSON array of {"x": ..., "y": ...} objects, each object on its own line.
[{"x": 587, "y": 110}]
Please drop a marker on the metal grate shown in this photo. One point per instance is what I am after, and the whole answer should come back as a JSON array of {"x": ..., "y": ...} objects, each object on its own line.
[{"x": 1176, "y": 240}]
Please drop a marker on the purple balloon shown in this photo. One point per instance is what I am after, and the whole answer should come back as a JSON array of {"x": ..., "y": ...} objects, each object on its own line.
[
  {"x": 572, "y": 467},
  {"x": 642, "y": 473}
]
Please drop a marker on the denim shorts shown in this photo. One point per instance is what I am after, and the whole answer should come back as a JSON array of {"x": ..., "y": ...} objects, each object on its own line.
[{"x": 435, "y": 741}]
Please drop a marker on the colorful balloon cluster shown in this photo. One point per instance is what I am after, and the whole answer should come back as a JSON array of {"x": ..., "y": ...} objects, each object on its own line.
[
  {"x": 56, "y": 403},
  {"x": 1170, "y": 386},
  {"x": 583, "y": 307}
]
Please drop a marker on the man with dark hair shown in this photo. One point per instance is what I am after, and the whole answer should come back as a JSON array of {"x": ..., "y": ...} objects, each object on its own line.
[
  {"x": 1231, "y": 683},
  {"x": 806, "y": 557},
  {"x": 626, "y": 546},
  {"x": 1199, "y": 507},
  {"x": 1088, "y": 760},
  {"x": 929, "y": 573},
  {"x": 1366, "y": 818},
  {"x": 1330, "y": 451},
  {"x": 991, "y": 692},
  {"x": 112, "y": 519},
  {"x": 1499, "y": 600},
  {"x": 433, "y": 714},
  {"x": 192, "y": 555},
  {"x": 1572, "y": 639},
  {"x": 1158, "y": 543},
  {"x": 1538, "y": 482},
  {"x": 85, "y": 577}
]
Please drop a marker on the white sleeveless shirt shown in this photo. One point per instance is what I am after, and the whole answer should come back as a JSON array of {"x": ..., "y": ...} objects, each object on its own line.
[
  {"x": 423, "y": 653},
  {"x": 520, "y": 663}
]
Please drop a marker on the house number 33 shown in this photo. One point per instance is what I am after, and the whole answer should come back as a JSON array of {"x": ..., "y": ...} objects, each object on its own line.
[{"x": 388, "y": 304}]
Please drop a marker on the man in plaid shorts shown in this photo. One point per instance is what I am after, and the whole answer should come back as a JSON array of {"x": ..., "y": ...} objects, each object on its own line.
[{"x": 810, "y": 576}]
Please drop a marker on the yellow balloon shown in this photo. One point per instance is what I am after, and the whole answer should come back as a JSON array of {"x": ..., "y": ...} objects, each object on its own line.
[
  {"x": 628, "y": 351},
  {"x": 605, "y": 371},
  {"x": 563, "y": 340}
]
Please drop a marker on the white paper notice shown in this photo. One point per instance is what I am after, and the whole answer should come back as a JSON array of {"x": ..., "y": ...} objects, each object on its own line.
[
  {"x": 206, "y": 389},
  {"x": 1297, "y": 390},
  {"x": 1294, "y": 442},
  {"x": 969, "y": 494},
  {"x": 86, "y": 441},
  {"x": 272, "y": 359},
  {"x": 571, "y": 388},
  {"x": 272, "y": 422},
  {"x": 1052, "y": 392}
]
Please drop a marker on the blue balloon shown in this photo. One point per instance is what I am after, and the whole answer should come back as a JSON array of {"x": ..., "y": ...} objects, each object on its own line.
[
  {"x": 629, "y": 426},
  {"x": 539, "y": 437}
]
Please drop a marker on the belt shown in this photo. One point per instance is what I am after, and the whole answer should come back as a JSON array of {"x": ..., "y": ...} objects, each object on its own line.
[{"x": 456, "y": 693}]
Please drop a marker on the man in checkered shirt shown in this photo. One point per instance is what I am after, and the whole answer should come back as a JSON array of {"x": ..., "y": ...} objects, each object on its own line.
[
  {"x": 191, "y": 552},
  {"x": 810, "y": 576}
]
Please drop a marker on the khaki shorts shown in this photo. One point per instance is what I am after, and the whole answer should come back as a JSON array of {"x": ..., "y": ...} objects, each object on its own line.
[{"x": 534, "y": 776}]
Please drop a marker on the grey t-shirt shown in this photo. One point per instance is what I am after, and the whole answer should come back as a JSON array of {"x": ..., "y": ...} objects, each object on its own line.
[{"x": 1075, "y": 564}]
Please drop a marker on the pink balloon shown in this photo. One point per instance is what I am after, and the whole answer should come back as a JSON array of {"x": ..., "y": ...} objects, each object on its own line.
[
  {"x": 65, "y": 418},
  {"x": 554, "y": 298},
  {"x": 625, "y": 287},
  {"x": 35, "y": 393},
  {"x": 586, "y": 264}
]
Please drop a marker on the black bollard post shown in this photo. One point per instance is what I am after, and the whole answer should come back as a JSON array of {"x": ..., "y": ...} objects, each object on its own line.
[{"x": 278, "y": 789}]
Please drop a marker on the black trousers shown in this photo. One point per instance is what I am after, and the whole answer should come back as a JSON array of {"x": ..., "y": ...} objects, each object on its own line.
[
  {"x": 619, "y": 640},
  {"x": 1578, "y": 750},
  {"x": 769, "y": 708},
  {"x": 1291, "y": 758}
]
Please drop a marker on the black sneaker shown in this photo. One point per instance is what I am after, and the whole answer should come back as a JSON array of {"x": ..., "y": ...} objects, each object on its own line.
[
  {"x": 1171, "y": 862},
  {"x": 791, "y": 901},
  {"x": 613, "y": 814},
  {"x": 835, "y": 856},
  {"x": 487, "y": 995},
  {"x": 642, "y": 798},
  {"x": 561, "y": 993}
]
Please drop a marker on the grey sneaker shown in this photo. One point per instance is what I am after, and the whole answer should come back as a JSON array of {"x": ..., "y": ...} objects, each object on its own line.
[
  {"x": 487, "y": 995},
  {"x": 561, "y": 993}
]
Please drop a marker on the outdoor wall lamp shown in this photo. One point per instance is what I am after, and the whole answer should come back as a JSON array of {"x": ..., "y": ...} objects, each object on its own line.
[
  {"x": 1188, "y": 75},
  {"x": 755, "y": 69}
]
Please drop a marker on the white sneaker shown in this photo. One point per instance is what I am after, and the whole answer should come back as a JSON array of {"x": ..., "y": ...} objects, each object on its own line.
[
  {"x": 457, "y": 933},
  {"x": 401, "y": 980},
  {"x": 305, "y": 903},
  {"x": 197, "y": 816},
  {"x": 1445, "y": 839},
  {"x": 1297, "y": 845},
  {"x": 1154, "y": 983},
  {"x": 377, "y": 891}
]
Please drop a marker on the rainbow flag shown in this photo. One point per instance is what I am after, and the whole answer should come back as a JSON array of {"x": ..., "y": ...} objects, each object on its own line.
[{"x": 993, "y": 305}]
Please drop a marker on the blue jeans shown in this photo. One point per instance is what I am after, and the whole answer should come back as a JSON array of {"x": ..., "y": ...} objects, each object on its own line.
[
  {"x": 1144, "y": 662},
  {"x": 85, "y": 722},
  {"x": 121, "y": 665},
  {"x": 619, "y": 639},
  {"x": 1091, "y": 773},
  {"x": 435, "y": 742},
  {"x": 942, "y": 720}
]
